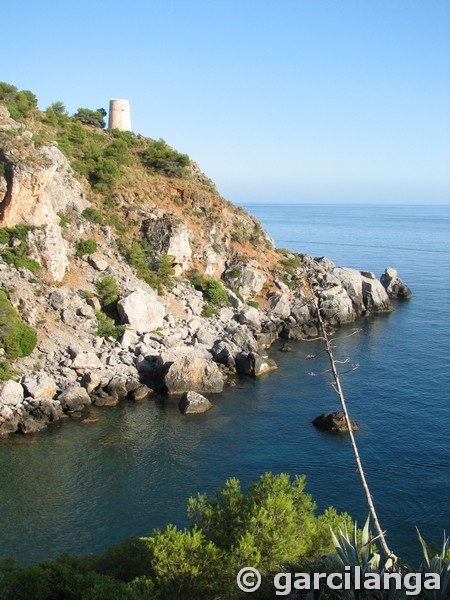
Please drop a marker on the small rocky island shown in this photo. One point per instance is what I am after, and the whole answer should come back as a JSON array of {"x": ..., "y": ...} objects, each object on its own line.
[{"x": 124, "y": 273}]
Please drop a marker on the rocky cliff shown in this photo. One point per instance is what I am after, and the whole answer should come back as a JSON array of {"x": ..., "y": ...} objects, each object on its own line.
[{"x": 143, "y": 278}]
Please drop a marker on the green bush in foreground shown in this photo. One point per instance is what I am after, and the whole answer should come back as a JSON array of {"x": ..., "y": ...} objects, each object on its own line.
[{"x": 271, "y": 525}]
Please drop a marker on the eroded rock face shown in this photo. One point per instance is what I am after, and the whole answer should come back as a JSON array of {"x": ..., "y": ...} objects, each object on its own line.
[
  {"x": 37, "y": 192},
  {"x": 194, "y": 404},
  {"x": 194, "y": 374},
  {"x": 142, "y": 311},
  {"x": 172, "y": 236},
  {"x": 50, "y": 248},
  {"x": 394, "y": 286}
]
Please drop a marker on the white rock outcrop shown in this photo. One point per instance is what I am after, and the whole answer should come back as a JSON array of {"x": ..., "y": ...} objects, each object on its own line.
[{"x": 142, "y": 311}]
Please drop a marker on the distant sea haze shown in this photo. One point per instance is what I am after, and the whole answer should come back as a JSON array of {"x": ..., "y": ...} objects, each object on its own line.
[{"x": 79, "y": 489}]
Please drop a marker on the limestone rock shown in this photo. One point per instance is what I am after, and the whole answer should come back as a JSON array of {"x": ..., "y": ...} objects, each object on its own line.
[
  {"x": 49, "y": 247},
  {"x": 334, "y": 423},
  {"x": 248, "y": 283},
  {"x": 86, "y": 361},
  {"x": 11, "y": 393},
  {"x": 98, "y": 262},
  {"x": 170, "y": 235},
  {"x": 194, "y": 374},
  {"x": 129, "y": 338},
  {"x": 250, "y": 316},
  {"x": 394, "y": 286},
  {"x": 254, "y": 364},
  {"x": 193, "y": 403},
  {"x": 142, "y": 311},
  {"x": 74, "y": 398},
  {"x": 38, "y": 414},
  {"x": 375, "y": 296},
  {"x": 40, "y": 387},
  {"x": 36, "y": 193},
  {"x": 141, "y": 393},
  {"x": 280, "y": 305}
]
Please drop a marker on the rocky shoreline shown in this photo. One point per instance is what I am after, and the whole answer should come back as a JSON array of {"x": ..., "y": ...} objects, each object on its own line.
[
  {"x": 200, "y": 291},
  {"x": 172, "y": 352}
]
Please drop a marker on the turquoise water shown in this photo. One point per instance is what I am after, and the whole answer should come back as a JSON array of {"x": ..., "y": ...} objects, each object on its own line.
[{"x": 79, "y": 488}]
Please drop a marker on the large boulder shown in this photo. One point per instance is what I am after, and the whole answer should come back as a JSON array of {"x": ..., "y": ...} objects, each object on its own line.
[
  {"x": 74, "y": 398},
  {"x": 394, "y": 286},
  {"x": 247, "y": 280},
  {"x": 375, "y": 296},
  {"x": 280, "y": 306},
  {"x": 254, "y": 364},
  {"x": 86, "y": 361},
  {"x": 193, "y": 374},
  {"x": 193, "y": 404},
  {"x": 40, "y": 387},
  {"x": 142, "y": 311},
  {"x": 11, "y": 393},
  {"x": 334, "y": 423}
]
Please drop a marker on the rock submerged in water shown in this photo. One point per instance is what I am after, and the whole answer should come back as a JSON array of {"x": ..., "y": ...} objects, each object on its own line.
[
  {"x": 394, "y": 286},
  {"x": 334, "y": 423},
  {"x": 193, "y": 404}
]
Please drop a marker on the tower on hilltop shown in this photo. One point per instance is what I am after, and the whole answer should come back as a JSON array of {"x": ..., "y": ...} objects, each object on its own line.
[{"x": 119, "y": 115}]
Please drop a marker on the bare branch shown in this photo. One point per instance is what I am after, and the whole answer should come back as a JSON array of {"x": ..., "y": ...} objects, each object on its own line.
[{"x": 337, "y": 387}]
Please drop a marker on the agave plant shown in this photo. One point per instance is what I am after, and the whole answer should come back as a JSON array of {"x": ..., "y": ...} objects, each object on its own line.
[
  {"x": 356, "y": 556},
  {"x": 439, "y": 564}
]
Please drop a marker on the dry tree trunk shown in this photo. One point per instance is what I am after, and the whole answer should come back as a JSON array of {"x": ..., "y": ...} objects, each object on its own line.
[{"x": 338, "y": 389}]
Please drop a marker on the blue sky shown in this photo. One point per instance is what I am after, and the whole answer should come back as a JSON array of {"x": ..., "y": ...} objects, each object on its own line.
[{"x": 306, "y": 100}]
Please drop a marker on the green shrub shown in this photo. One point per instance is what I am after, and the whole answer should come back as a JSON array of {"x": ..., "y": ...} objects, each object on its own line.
[
  {"x": 85, "y": 247},
  {"x": 253, "y": 303},
  {"x": 106, "y": 326},
  {"x": 64, "y": 219},
  {"x": 161, "y": 158},
  {"x": 16, "y": 338},
  {"x": 138, "y": 259},
  {"x": 21, "y": 104},
  {"x": 197, "y": 279},
  {"x": 91, "y": 117},
  {"x": 209, "y": 311},
  {"x": 212, "y": 288},
  {"x": 92, "y": 215},
  {"x": 162, "y": 275},
  {"x": 107, "y": 290},
  {"x": 216, "y": 293},
  {"x": 86, "y": 294},
  {"x": 119, "y": 151},
  {"x": 6, "y": 371},
  {"x": 17, "y": 256},
  {"x": 17, "y": 260}
]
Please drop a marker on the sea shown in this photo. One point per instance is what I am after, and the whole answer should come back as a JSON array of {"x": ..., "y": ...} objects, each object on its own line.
[{"x": 79, "y": 488}]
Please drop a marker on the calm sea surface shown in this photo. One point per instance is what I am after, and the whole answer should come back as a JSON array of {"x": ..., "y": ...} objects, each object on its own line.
[{"x": 79, "y": 488}]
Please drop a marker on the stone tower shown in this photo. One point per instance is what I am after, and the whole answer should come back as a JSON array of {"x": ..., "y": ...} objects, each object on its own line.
[{"x": 119, "y": 115}]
